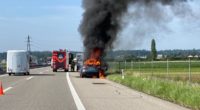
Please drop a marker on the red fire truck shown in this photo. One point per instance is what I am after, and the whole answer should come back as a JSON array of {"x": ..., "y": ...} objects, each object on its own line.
[{"x": 60, "y": 60}]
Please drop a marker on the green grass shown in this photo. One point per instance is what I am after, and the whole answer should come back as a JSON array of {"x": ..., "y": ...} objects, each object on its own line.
[
  {"x": 181, "y": 93},
  {"x": 178, "y": 70}
]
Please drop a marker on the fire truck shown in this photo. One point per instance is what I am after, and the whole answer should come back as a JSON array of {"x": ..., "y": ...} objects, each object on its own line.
[{"x": 61, "y": 60}]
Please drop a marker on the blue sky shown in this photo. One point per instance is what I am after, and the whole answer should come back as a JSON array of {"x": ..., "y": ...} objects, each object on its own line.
[{"x": 53, "y": 24}]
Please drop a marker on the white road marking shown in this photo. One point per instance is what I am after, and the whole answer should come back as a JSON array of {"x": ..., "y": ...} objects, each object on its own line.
[
  {"x": 3, "y": 75},
  {"x": 76, "y": 98},
  {"x": 7, "y": 89},
  {"x": 29, "y": 78},
  {"x": 41, "y": 72}
]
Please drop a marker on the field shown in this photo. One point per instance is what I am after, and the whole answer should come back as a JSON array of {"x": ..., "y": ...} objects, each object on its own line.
[{"x": 173, "y": 70}]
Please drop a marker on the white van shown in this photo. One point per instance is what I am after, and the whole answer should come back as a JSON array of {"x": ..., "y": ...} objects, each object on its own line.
[{"x": 18, "y": 62}]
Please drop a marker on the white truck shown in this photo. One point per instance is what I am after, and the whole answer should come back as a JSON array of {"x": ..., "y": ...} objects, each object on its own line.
[{"x": 18, "y": 62}]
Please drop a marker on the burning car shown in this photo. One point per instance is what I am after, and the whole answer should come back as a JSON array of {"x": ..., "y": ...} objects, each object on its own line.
[
  {"x": 89, "y": 71},
  {"x": 93, "y": 66}
]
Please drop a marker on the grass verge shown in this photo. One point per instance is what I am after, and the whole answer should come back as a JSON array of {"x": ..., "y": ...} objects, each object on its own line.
[{"x": 182, "y": 93}]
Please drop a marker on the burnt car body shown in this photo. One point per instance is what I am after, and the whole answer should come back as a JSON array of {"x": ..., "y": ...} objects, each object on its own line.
[{"x": 91, "y": 70}]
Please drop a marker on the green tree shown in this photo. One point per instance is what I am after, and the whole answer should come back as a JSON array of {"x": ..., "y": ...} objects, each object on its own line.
[{"x": 153, "y": 50}]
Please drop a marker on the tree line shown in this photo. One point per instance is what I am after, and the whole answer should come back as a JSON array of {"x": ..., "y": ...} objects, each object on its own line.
[{"x": 135, "y": 55}]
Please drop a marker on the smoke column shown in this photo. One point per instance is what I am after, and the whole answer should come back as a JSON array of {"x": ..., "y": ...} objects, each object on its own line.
[{"x": 102, "y": 21}]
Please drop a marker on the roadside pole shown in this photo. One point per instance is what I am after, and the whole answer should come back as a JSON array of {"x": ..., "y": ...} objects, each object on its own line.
[
  {"x": 190, "y": 73},
  {"x": 115, "y": 65},
  {"x": 119, "y": 66},
  {"x": 125, "y": 64},
  {"x": 122, "y": 72},
  {"x": 189, "y": 69},
  {"x": 152, "y": 68},
  {"x": 168, "y": 68},
  {"x": 139, "y": 68},
  {"x": 131, "y": 65}
]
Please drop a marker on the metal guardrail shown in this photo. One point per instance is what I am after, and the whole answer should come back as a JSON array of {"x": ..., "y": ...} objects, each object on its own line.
[{"x": 177, "y": 70}]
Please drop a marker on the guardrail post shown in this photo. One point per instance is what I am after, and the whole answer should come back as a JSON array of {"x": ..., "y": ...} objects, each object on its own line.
[
  {"x": 125, "y": 65},
  {"x": 152, "y": 68},
  {"x": 189, "y": 70},
  {"x": 122, "y": 72},
  {"x": 139, "y": 68},
  {"x": 167, "y": 68},
  {"x": 132, "y": 65}
]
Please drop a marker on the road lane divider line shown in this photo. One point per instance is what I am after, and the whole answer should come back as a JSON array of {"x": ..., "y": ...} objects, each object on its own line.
[
  {"x": 7, "y": 89},
  {"x": 29, "y": 78},
  {"x": 3, "y": 75},
  {"x": 75, "y": 96}
]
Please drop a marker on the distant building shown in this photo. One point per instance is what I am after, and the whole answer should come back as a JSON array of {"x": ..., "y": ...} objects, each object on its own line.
[
  {"x": 142, "y": 57},
  {"x": 196, "y": 56},
  {"x": 160, "y": 56},
  {"x": 190, "y": 56}
]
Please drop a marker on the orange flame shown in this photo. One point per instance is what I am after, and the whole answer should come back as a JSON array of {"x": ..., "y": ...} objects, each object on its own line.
[
  {"x": 94, "y": 58},
  {"x": 93, "y": 62}
]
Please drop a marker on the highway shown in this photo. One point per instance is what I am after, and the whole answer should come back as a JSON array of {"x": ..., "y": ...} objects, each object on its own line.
[
  {"x": 45, "y": 90},
  {"x": 42, "y": 90}
]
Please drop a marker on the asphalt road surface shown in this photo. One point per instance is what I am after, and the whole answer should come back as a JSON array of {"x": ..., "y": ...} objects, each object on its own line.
[
  {"x": 45, "y": 90},
  {"x": 42, "y": 90}
]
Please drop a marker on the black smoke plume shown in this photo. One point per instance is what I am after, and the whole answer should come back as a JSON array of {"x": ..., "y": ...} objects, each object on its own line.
[{"x": 101, "y": 21}]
